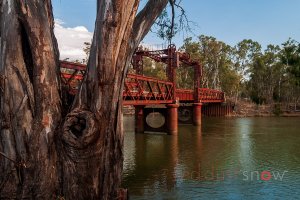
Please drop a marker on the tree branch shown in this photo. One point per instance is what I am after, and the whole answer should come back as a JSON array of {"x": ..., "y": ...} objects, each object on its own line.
[
  {"x": 172, "y": 2},
  {"x": 184, "y": 22},
  {"x": 145, "y": 19}
]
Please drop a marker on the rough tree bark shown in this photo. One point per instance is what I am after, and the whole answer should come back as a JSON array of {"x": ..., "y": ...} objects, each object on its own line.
[{"x": 45, "y": 154}]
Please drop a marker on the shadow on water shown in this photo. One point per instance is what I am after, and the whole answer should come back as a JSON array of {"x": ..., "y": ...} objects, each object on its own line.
[{"x": 223, "y": 159}]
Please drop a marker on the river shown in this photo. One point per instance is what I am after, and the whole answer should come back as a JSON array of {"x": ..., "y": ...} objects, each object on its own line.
[{"x": 227, "y": 158}]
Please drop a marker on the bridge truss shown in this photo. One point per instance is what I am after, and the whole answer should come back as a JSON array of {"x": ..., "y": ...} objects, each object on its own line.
[{"x": 143, "y": 90}]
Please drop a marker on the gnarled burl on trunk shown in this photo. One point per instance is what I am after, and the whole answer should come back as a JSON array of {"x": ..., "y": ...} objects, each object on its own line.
[{"x": 46, "y": 154}]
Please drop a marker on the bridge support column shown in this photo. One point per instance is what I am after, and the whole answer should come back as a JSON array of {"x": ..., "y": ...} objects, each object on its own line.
[
  {"x": 172, "y": 119},
  {"x": 197, "y": 114},
  {"x": 139, "y": 119}
]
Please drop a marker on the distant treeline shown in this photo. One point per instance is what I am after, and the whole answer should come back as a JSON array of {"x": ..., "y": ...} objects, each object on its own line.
[{"x": 242, "y": 71}]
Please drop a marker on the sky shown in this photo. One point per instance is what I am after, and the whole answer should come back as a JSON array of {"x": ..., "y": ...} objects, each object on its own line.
[{"x": 231, "y": 21}]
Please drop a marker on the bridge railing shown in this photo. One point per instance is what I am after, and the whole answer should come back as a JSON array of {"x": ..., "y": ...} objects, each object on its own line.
[
  {"x": 210, "y": 95},
  {"x": 141, "y": 90},
  {"x": 185, "y": 94},
  {"x": 72, "y": 75},
  {"x": 205, "y": 95}
]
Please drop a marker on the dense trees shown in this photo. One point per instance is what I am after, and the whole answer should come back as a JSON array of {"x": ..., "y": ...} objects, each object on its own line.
[
  {"x": 219, "y": 67},
  {"x": 245, "y": 71}
]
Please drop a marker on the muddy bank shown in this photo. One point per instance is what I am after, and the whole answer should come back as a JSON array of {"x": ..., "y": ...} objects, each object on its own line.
[{"x": 249, "y": 109}]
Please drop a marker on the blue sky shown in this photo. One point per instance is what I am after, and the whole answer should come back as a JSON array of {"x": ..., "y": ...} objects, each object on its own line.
[{"x": 265, "y": 21}]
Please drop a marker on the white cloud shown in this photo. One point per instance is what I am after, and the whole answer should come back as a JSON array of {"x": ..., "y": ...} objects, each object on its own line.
[{"x": 71, "y": 40}]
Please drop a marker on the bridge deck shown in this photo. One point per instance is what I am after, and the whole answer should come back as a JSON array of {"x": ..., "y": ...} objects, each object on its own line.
[{"x": 142, "y": 90}]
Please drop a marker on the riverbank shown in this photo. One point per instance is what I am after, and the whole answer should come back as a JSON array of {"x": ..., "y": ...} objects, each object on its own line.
[{"x": 250, "y": 109}]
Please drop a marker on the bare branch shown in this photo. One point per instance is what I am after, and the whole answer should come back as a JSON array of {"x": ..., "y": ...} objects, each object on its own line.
[
  {"x": 184, "y": 23},
  {"x": 169, "y": 23},
  {"x": 172, "y": 3}
]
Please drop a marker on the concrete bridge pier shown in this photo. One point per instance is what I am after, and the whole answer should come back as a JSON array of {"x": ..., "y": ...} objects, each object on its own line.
[
  {"x": 139, "y": 119},
  {"x": 197, "y": 107},
  {"x": 172, "y": 119}
]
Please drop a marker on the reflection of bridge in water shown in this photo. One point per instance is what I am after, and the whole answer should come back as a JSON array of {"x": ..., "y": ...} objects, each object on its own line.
[{"x": 141, "y": 91}]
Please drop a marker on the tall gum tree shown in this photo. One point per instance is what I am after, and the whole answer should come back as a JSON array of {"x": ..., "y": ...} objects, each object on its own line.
[{"x": 45, "y": 152}]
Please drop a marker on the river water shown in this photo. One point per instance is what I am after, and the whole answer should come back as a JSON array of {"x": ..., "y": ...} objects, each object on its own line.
[{"x": 227, "y": 158}]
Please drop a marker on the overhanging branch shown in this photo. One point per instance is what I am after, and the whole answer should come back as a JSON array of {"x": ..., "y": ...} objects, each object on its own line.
[
  {"x": 145, "y": 19},
  {"x": 172, "y": 2}
]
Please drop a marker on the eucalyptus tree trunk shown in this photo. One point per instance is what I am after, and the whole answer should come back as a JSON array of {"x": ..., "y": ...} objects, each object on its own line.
[{"x": 44, "y": 153}]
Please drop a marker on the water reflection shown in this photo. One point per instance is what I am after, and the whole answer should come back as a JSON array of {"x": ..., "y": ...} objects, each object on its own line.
[
  {"x": 245, "y": 143},
  {"x": 210, "y": 162},
  {"x": 155, "y": 166}
]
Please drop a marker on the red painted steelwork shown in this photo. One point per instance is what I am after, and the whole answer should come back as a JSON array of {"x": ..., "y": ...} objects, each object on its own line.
[
  {"x": 68, "y": 76},
  {"x": 142, "y": 90},
  {"x": 185, "y": 95},
  {"x": 172, "y": 120},
  {"x": 197, "y": 113},
  {"x": 71, "y": 75},
  {"x": 172, "y": 59},
  {"x": 72, "y": 65},
  {"x": 205, "y": 95}
]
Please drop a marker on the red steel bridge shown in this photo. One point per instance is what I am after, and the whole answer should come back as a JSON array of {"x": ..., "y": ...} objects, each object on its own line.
[
  {"x": 143, "y": 90},
  {"x": 180, "y": 105}
]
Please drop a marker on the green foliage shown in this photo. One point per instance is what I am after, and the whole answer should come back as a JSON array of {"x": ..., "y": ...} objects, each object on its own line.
[
  {"x": 171, "y": 21},
  {"x": 290, "y": 56},
  {"x": 86, "y": 49},
  {"x": 153, "y": 69},
  {"x": 165, "y": 29},
  {"x": 218, "y": 68},
  {"x": 230, "y": 81},
  {"x": 242, "y": 71},
  {"x": 185, "y": 74},
  {"x": 277, "y": 110},
  {"x": 256, "y": 84},
  {"x": 243, "y": 55}
]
